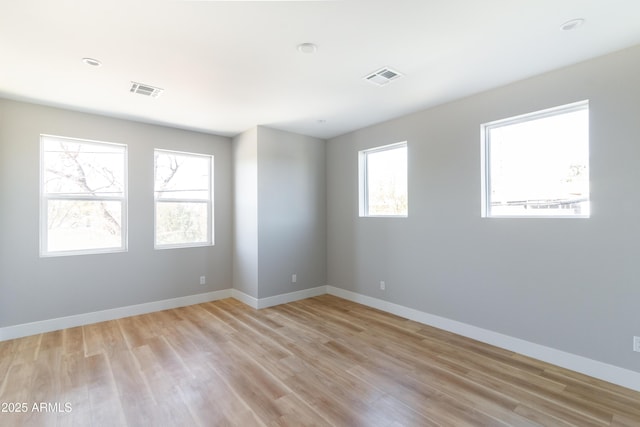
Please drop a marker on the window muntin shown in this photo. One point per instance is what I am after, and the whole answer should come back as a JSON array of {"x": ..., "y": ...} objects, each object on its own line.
[
  {"x": 83, "y": 196},
  {"x": 383, "y": 181},
  {"x": 537, "y": 165},
  {"x": 183, "y": 199}
]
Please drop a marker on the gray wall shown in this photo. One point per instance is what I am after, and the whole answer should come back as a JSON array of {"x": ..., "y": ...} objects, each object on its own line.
[
  {"x": 563, "y": 283},
  {"x": 280, "y": 212},
  {"x": 34, "y": 288},
  {"x": 245, "y": 211},
  {"x": 291, "y": 212},
  {"x": 570, "y": 284}
]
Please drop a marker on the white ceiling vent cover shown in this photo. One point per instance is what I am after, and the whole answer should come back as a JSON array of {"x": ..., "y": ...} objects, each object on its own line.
[
  {"x": 383, "y": 76},
  {"x": 144, "y": 89}
]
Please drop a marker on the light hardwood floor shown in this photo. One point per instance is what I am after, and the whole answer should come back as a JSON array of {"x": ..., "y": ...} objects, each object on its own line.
[{"x": 321, "y": 361}]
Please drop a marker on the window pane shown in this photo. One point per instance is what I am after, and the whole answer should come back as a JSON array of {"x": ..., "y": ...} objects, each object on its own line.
[
  {"x": 183, "y": 197},
  {"x": 386, "y": 182},
  {"x": 179, "y": 223},
  {"x": 83, "y": 168},
  {"x": 540, "y": 167},
  {"x": 83, "y": 206},
  {"x": 182, "y": 176},
  {"x": 75, "y": 225}
]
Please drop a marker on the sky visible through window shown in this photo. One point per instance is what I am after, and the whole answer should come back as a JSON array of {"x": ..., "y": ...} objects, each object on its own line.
[
  {"x": 84, "y": 185},
  {"x": 541, "y": 166},
  {"x": 183, "y": 198},
  {"x": 387, "y": 182}
]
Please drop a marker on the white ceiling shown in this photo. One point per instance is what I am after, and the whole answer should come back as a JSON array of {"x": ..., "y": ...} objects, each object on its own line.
[{"x": 227, "y": 66}]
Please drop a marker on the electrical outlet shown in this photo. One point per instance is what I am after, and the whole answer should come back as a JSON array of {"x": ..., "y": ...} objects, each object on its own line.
[
  {"x": 636, "y": 344},
  {"x": 203, "y": 280},
  {"x": 383, "y": 286},
  {"x": 294, "y": 278}
]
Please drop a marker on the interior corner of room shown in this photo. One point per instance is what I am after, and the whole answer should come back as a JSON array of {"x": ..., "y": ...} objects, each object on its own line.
[{"x": 287, "y": 226}]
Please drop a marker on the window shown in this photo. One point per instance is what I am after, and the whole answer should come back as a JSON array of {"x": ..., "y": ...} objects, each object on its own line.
[
  {"x": 537, "y": 165},
  {"x": 183, "y": 199},
  {"x": 383, "y": 181},
  {"x": 84, "y": 196}
]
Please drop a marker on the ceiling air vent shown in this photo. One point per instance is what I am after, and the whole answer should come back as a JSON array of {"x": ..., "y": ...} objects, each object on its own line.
[
  {"x": 144, "y": 89},
  {"x": 383, "y": 76}
]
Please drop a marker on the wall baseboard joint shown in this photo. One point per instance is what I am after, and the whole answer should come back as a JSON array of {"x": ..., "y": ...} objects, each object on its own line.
[
  {"x": 593, "y": 368},
  {"x": 39, "y": 327},
  {"x": 610, "y": 373},
  {"x": 42, "y": 326}
]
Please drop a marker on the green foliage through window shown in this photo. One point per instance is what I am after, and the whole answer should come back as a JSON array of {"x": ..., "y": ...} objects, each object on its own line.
[
  {"x": 83, "y": 206},
  {"x": 183, "y": 199}
]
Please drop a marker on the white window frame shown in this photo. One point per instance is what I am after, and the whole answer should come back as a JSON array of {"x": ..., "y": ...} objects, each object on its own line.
[
  {"x": 46, "y": 197},
  {"x": 485, "y": 157},
  {"x": 210, "y": 204},
  {"x": 363, "y": 204}
]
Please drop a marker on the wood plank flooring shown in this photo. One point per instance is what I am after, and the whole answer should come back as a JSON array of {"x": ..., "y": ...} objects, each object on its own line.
[{"x": 322, "y": 361}]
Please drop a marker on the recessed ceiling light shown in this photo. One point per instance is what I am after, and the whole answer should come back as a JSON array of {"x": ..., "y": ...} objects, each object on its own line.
[
  {"x": 321, "y": 121},
  {"x": 91, "y": 61},
  {"x": 307, "y": 48},
  {"x": 572, "y": 24}
]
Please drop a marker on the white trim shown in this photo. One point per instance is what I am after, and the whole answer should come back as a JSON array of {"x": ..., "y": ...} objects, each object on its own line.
[
  {"x": 46, "y": 197},
  {"x": 486, "y": 185},
  {"x": 291, "y": 297},
  {"x": 42, "y": 326},
  {"x": 540, "y": 114},
  {"x": 613, "y": 374},
  {"x": 26, "y": 329},
  {"x": 259, "y": 303},
  {"x": 593, "y": 368},
  {"x": 209, "y": 201},
  {"x": 363, "y": 177},
  {"x": 244, "y": 298}
]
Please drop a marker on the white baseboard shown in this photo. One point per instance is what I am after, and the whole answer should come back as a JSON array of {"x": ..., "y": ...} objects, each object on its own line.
[
  {"x": 277, "y": 299},
  {"x": 39, "y": 327},
  {"x": 291, "y": 297},
  {"x": 244, "y": 298},
  {"x": 593, "y": 368},
  {"x": 613, "y": 374}
]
